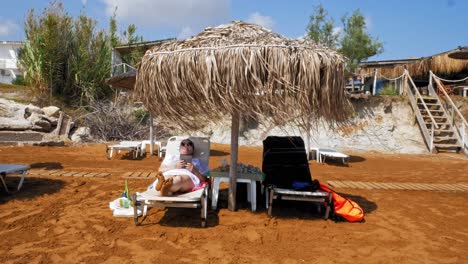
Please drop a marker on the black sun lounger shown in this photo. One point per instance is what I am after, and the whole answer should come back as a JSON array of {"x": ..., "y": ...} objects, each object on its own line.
[{"x": 285, "y": 165}]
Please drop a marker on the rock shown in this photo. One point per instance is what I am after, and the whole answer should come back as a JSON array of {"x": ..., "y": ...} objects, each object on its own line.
[
  {"x": 51, "y": 111},
  {"x": 82, "y": 134},
  {"x": 33, "y": 117},
  {"x": 12, "y": 116},
  {"x": 44, "y": 125},
  {"x": 29, "y": 109},
  {"x": 41, "y": 122},
  {"x": 52, "y": 120}
]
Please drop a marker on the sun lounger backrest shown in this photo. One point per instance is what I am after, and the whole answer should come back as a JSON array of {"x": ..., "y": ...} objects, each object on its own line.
[
  {"x": 202, "y": 147},
  {"x": 285, "y": 161}
]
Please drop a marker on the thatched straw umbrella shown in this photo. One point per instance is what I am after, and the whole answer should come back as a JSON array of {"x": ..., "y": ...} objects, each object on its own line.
[{"x": 241, "y": 68}]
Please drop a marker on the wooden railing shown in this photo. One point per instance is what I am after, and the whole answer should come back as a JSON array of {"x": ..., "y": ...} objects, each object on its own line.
[
  {"x": 460, "y": 125},
  {"x": 122, "y": 68},
  {"x": 414, "y": 95}
]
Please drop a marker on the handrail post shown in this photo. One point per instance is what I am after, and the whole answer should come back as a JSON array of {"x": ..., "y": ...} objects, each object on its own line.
[
  {"x": 375, "y": 82},
  {"x": 463, "y": 134},
  {"x": 452, "y": 114},
  {"x": 431, "y": 145}
]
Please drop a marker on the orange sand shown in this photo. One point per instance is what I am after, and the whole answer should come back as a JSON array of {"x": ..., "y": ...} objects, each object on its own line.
[{"x": 67, "y": 220}]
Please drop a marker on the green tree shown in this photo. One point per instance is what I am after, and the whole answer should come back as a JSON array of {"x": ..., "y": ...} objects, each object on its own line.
[
  {"x": 353, "y": 42},
  {"x": 357, "y": 45},
  {"x": 129, "y": 38},
  {"x": 44, "y": 55},
  {"x": 321, "y": 28},
  {"x": 68, "y": 58},
  {"x": 114, "y": 40}
]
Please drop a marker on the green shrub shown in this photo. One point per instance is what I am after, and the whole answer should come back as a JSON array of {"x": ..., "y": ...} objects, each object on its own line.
[
  {"x": 388, "y": 90},
  {"x": 19, "y": 81}
]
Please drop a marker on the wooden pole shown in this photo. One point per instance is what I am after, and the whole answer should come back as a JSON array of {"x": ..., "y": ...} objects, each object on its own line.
[
  {"x": 307, "y": 145},
  {"x": 375, "y": 82},
  {"x": 151, "y": 134},
  {"x": 233, "y": 167}
]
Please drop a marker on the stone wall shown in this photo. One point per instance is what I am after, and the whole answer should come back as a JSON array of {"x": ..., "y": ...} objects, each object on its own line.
[{"x": 384, "y": 124}]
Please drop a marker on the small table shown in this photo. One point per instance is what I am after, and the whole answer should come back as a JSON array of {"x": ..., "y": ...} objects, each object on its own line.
[
  {"x": 249, "y": 178},
  {"x": 9, "y": 168}
]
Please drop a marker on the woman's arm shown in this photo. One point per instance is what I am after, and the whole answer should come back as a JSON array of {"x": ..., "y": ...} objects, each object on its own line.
[
  {"x": 195, "y": 171},
  {"x": 167, "y": 166}
]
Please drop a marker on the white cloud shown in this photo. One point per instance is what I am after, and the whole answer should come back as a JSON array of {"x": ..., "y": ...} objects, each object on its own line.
[
  {"x": 7, "y": 27},
  {"x": 185, "y": 33},
  {"x": 177, "y": 14},
  {"x": 264, "y": 21},
  {"x": 302, "y": 37},
  {"x": 368, "y": 21},
  {"x": 337, "y": 30},
  {"x": 84, "y": 2}
]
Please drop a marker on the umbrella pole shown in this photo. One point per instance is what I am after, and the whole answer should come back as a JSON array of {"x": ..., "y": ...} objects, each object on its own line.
[
  {"x": 233, "y": 167},
  {"x": 151, "y": 135}
]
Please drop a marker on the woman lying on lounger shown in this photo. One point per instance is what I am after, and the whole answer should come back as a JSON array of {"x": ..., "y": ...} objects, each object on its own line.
[{"x": 176, "y": 175}]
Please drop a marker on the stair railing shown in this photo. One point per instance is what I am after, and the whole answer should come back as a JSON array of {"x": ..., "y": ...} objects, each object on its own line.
[
  {"x": 122, "y": 68},
  {"x": 460, "y": 127},
  {"x": 413, "y": 95}
]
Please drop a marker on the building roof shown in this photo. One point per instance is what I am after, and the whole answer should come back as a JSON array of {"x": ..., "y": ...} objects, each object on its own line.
[
  {"x": 450, "y": 62},
  {"x": 11, "y": 42},
  {"x": 126, "y": 49}
]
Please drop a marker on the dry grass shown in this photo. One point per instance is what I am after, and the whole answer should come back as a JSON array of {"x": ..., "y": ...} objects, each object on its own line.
[{"x": 240, "y": 67}]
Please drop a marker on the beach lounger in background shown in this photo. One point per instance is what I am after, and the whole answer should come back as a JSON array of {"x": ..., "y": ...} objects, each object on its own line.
[
  {"x": 321, "y": 154},
  {"x": 131, "y": 146},
  {"x": 285, "y": 166},
  {"x": 195, "y": 199},
  {"x": 6, "y": 169},
  {"x": 162, "y": 148}
]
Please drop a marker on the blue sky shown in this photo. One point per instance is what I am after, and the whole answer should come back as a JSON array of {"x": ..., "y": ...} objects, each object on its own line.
[{"x": 411, "y": 28}]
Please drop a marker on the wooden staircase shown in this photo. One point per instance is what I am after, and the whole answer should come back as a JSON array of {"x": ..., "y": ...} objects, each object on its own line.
[{"x": 437, "y": 122}]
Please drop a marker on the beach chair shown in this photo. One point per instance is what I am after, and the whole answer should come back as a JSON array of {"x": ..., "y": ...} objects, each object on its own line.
[
  {"x": 6, "y": 169},
  {"x": 321, "y": 154},
  {"x": 197, "y": 199},
  {"x": 287, "y": 173},
  {"x": 133, "y": 147}
]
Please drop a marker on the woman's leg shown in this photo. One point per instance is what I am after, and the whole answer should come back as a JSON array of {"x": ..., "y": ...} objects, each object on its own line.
[
  {"x": 181, "y": 183},
  {"x": 177, "y": 183}
]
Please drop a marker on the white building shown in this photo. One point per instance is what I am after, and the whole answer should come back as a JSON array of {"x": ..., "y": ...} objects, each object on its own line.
[{"x": 8, "y": 60}]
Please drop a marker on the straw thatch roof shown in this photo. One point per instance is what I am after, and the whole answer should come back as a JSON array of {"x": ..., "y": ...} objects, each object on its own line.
[
  {"x": 241, "y": 67},
  {"x": 440, "y": 64},
  {"x": 461, "y": 53}
]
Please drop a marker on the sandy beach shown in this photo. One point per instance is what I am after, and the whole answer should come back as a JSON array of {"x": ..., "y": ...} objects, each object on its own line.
[{"x": 57, "y": 219}]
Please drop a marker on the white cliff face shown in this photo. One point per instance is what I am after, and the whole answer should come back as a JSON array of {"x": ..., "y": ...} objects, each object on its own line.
[{"x": 378, "y": 125}]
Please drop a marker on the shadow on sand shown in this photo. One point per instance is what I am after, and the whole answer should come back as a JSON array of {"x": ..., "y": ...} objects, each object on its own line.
[
  {"x": 47, "y": 166},
  {"x": 291, "y": 209},
  {"x": 180, "y": 217},
  {"x": 32, "y": 187},
  {"x": 218, "y": 153},
  {"x": 338, "y": 162},
  {"x": 302, "y": 210}
]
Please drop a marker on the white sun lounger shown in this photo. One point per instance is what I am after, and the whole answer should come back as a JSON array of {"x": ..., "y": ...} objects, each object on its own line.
[
  {"x": 195, "y": 199},
  {"x": 321, "y": 154},
  {"x": 131, "y": 146},
  {"x": 12, "y": 168}
]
